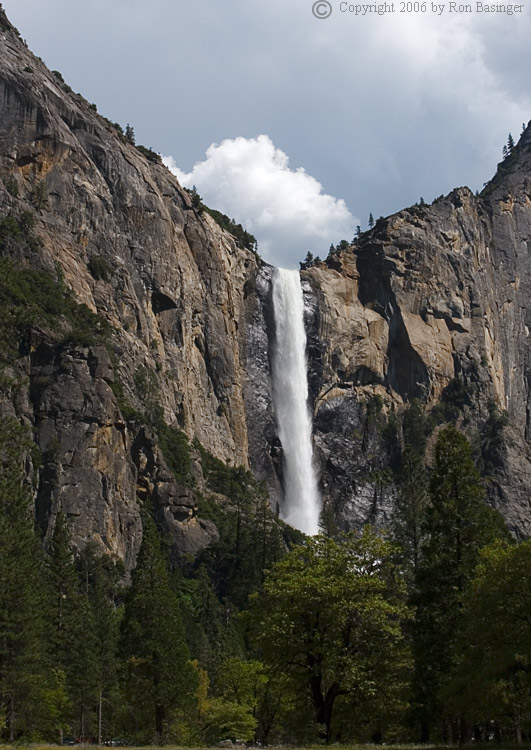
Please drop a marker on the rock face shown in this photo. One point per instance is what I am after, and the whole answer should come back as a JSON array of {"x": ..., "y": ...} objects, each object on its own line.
[
  {"x": 430, "y": 305},
  {"x": 168, "y": 280},
  {"x": 433, "y": 296}
]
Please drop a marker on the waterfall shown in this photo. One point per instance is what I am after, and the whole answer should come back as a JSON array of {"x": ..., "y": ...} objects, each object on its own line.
[{"x": 301, "y": 506}]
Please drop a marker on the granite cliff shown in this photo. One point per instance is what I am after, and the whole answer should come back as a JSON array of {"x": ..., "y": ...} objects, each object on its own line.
[{"x": 430, "y": 305}]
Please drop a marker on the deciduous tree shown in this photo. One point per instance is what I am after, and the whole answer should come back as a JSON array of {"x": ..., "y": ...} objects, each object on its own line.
[{"x": 330, "y": 618}]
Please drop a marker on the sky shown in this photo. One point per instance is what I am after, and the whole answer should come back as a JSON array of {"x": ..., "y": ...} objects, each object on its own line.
[{"x": 295, "y": 122}]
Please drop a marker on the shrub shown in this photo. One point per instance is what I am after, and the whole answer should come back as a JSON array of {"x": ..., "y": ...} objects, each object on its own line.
[
  {"x": 39, "y": 196},
  {"x": 150, "y": 154},
  {"x": 11, "y": 186},
  {"x": 32, "y": 299},
  {"x": 100, "y": 268}
]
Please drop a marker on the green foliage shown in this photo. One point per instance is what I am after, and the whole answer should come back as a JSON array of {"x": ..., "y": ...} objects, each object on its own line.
[
  {"x": 176, "y": 449},
  {"x": 11, "y": 186},
  {"x": 153, "y": 646},
  {"x": 101, "y": 578},
  {"x": 73, "y": 647},
  {"x": 416, "y": 427},
  {"x": 458, "y": 395},
  {"x": 495, "y": 642},
  {"x": 150, "y": 154},
  {"x": 374, "y": 408},
  {"x": 197, "y": 203},
  {"x": 335, "y": 249},
  {"x": 39, "y": 196},
  {"x": 17, "y": 232},
  {"x": 458, "y": 524},
  {"x": 492, "y": 443},
  {"x": 23, "y": 680},
  {"x": 243, "y": 238},
  {"x": 308, "y": 261},
  {"x": 129, "y": 413},
  {"x": 250, "y": 537},
  {"x": 227, "y": 720},
  {"x": 100, "y": 268},
  {"x": 130, "y": 134},
  {"x": 409, "y": 512},
  {"x": 330, "y": 618},
  {"x": 31, "y": 299}
]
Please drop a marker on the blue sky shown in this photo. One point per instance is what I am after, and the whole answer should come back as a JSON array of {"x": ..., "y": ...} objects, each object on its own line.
[{"x": 315, "y": 122}]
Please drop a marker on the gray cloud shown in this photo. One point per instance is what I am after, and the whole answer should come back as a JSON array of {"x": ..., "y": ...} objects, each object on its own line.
[{"x": 379, "y": 109}]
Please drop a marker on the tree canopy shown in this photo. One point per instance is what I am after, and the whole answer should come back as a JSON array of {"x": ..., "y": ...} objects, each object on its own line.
[{"x": 330, "y": 617}]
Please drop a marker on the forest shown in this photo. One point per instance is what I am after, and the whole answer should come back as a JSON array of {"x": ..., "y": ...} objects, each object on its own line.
[{"x": 421, "y": 632}]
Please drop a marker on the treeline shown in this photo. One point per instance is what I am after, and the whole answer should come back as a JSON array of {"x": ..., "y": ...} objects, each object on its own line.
[{"x": 269, "y": 636}]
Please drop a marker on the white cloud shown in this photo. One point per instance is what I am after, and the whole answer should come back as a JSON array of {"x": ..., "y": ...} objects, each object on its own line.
[{"x": 286, "y": 209}]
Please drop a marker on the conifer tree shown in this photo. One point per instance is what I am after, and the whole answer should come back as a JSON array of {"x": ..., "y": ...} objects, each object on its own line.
[
  {"x": 130, "y": 134},
  {"x": 159, "y": 677},
  {"x": 72, "y": 637},
  {"x": 22, "y": 647},
  {"x": 409, "y": 514},
  {"x": 458, "y": 525},
  {"x": 101, "y": 576},
  {"x": 510, "y": 144},
  {"x": 371, "y": 221}
]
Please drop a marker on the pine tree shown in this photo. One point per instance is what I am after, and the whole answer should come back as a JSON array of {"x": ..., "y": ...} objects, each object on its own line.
[
  {"x": 72, "y": 637},
  {"x": 130, "y": 134},
  {"x": 409, "y": 513},
  {"x": 22, "y": 647},
  {"x": 102, "y": 576},
  {"x": 458, "y": 524},
  {"x": 159, "y": 677},
  {"x": 510, "y": 144},
  {"x": 505, "y": 152},
  {"x": 371, "y": 221}
]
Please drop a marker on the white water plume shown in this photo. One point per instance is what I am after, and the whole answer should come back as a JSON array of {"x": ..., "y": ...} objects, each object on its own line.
[{"x": 302, "y": 505}]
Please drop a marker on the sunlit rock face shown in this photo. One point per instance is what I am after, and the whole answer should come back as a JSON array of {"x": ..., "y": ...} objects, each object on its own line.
[
  {"x": 433, "y": 296},
  {"x": 174, "y": 291}
]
